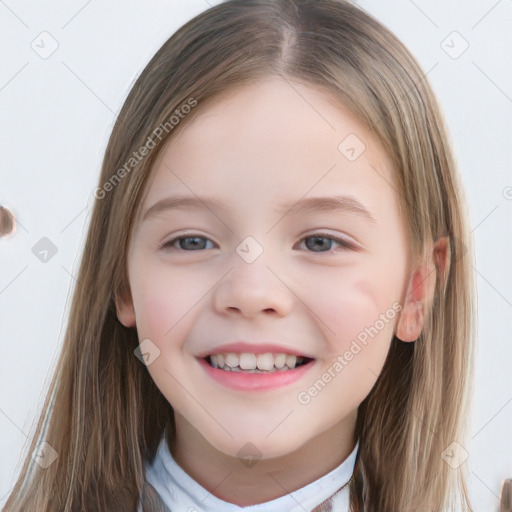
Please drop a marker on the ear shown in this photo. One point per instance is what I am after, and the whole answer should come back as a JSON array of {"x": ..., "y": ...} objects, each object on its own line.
[
  {"x": 124, "y": 308},
  {"x": 421, "y": 289}
]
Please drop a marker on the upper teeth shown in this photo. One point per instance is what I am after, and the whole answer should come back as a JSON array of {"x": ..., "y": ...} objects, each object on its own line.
[{"x": 248, "y": 361}]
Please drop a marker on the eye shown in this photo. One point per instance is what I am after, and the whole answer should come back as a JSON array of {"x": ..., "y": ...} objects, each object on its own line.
[
  {"x": 318, "y": 242},
  {"x": 187, "y": 243},
  {"x": 324, "y": 242}
]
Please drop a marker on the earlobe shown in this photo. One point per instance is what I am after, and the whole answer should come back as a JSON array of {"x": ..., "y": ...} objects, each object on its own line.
[
  {"x": 412, "y": 316},
  {"x": 124, "y": 308},
  {"x": 421, "y": 289}
]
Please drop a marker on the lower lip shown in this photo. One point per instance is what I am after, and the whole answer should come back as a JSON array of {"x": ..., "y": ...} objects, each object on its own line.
[{"x": 255, "y": 381}]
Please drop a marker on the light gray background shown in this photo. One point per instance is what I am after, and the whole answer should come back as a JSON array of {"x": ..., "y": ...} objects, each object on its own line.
[{"x": 55, "y": 117}]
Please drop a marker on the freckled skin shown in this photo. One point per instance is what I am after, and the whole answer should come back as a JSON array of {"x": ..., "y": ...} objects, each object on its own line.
[{"x": 257, "y": 146}]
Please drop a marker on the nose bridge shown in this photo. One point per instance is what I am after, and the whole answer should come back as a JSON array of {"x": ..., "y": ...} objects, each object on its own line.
[
  {"x": 250, "y": 250},
  {"x": 250, "y": 265},
  {"x": 252, "y": 285}
]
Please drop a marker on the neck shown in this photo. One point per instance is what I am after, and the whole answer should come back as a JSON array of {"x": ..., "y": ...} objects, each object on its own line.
[{"x": 228, "y": 479}]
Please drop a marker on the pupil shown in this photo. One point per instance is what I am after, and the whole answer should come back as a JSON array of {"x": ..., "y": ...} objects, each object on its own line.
[
  {"x": 318, "y": 243},
  {"x": 197, "y": 241}
]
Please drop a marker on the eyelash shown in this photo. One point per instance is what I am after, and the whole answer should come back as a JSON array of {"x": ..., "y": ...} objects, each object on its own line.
[{"x": 167, "y": 245}]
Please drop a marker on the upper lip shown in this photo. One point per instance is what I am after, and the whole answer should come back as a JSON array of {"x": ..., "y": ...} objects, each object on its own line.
[{"x": 244, "y": 347}]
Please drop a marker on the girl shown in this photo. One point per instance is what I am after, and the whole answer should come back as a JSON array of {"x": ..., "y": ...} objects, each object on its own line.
[{"x": 274, "y": 306}]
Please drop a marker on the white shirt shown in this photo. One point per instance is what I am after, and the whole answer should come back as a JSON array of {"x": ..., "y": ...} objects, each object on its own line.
[{"x": 181, "y": 493}]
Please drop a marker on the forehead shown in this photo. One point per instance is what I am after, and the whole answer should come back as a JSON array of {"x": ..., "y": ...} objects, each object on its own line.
[{"x": 273, "y": 138}]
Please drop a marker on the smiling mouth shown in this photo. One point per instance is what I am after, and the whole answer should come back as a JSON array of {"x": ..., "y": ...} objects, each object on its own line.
[{"x": 256, "y": 363}]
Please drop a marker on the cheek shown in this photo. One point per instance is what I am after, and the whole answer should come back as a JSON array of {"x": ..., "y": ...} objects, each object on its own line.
[
  {"x": 164, "y": 301},
  {"x": 355, "y": 310},
  {"x": 357, "y": 322}
]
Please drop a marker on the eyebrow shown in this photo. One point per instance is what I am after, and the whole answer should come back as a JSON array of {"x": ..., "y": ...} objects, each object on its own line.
[{"x": 343, "y": 203}]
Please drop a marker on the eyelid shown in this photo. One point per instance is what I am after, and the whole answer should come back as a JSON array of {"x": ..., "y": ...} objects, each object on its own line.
[
  {"x": 173, "y": 239},
  {"x": 345, "y": 242}
]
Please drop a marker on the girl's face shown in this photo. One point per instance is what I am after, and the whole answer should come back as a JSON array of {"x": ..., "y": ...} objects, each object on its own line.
[{"x": 271, "y": 220}]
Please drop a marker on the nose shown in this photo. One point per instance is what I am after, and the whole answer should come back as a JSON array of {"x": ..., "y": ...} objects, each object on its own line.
[{"x": 253, "y": 289}]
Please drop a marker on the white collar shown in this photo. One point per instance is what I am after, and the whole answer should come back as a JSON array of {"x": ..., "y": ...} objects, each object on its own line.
[{"x": 181, "y": 493}]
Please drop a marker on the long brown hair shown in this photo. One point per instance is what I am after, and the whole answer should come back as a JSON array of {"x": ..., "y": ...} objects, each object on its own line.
[{"x": 104, "y": 416}]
